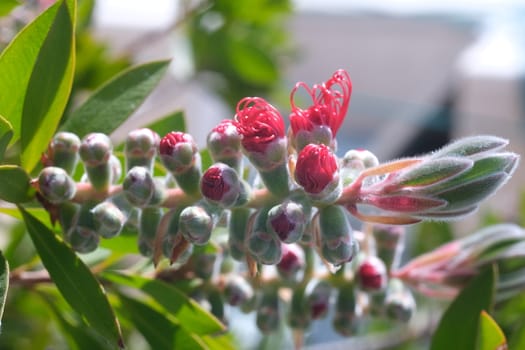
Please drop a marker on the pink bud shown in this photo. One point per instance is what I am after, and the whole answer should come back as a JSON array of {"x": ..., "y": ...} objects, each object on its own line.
[
  {"x": 371, "y": 274},
  {"x": 316, "y": 168}
]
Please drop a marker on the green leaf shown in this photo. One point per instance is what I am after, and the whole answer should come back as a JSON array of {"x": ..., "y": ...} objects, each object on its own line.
[
  {"x": 39, "y": 213},
  {"x": 7, "y": 5},
  {"x": 6, "y": 134},
  {"x": 458, "y": 328},
  {"x": 74, "y": 280},
  {"x": 48, "y": 88},
  {"x": 115, "y": 101},
  {"x": 4, "y": 283},
  {"x": 490, "y": 336},
  {"x": 157, "y": 329},
  {"x": 16, "y": 65},
  {"x": 190, "y": 314},
  {"x": 15, "y": 184},
  {"x": 80, "y": 337},
  {"x": 172, "y": 122}
]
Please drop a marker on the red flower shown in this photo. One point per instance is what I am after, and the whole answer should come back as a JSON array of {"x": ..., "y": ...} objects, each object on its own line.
[
  {"x": 316, "y": 168},
  {"x": 330, "y": 104},
  {"x": 177, "y": 151},
  {"x": 259, "y": 123},
  {"x": 371, "y": 274}
]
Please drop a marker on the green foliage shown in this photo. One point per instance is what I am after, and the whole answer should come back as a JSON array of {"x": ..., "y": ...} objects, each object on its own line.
[
  {"x": 490, "y": 336},
  {"x": 4, "y": 283},
  {"x": 48, "y": 87},
  {"x": 16, "y": 186},
  {"x": 6, "y": 133},
  {"x": 114, "y": 102},
  {"x": 459, "y": 326},
  {"x": 74, "y": 280},
  {"x": 7, "y": 5}
]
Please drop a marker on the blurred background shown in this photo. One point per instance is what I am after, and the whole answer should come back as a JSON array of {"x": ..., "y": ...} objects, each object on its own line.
[{"x": 423, "y": 73}]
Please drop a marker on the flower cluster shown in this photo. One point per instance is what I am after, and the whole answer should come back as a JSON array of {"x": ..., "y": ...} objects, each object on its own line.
[{"x": 299, "y": 203}]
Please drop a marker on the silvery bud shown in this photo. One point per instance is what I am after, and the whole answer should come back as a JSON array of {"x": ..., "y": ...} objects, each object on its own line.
[{"x": 56, "y": 185}]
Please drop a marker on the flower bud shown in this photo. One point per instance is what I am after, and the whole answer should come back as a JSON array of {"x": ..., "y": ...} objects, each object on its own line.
[
  {"x": 140, "y": 148},
  {"x": 268, "y": 312},
  {"x": 220, "y": 185},
  {"x": 288, "y": 220},
  {"x": 224, "y": 144},
  {"x": 354, "y": 162},
  {"x": 138, "y": 186},
  {"x": 336, "y": 236},
  {"x": 196, "y": 225},
  {"x": 317, "y": 172},
  {"x": 400, "y": 304},
  {"x": 292, "y": 261},
  {"x": 262, "y": 244},
  {"x": 95, "y": 152},
  {"x": 108, "y": 219},
  {"x": 62, "y": 151},
  {"x": 56, "y": 185},
  {"x": 371, "y": 274},
  {"x": 177, "y": 151},
  {"x": 115, "y": 168},
  {"x": 237, "y": 290},
  {"x": 83, "y": 240},
  {"x": 318, "y": 294}
]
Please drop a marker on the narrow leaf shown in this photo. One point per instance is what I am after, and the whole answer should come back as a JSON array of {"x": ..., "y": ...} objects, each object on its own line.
[
  {"x": 490, "y": 336},
  {"x": 6, "y": 134},
  {"x": 191, "y": 315},
  {"x": 48, "y": 88},
  {"x": 157, "y": 329},
  {"x": 458, "y": 327},
  {"x": 404, "y": 203},
  {"x": 4, "y": 283},
  {"x": 433, "y": 170},
  {"x": 115, "y": 101},
  {"x": 469, "y": 146},
  {"x": 74, "y": 280},
  {"x": 16, "y": 65},
  {"x": 15, "y": 186}
]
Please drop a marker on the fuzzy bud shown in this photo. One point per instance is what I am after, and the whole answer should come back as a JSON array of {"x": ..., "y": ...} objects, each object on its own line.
[
  {"x": 62, "y": 151},
  {"x": 288, "y": 220},
  {"x": 237, "y": 291},
  {"x": 140, "y": 148},
  {"x": 268, "y": 312},
  {"x": 220, "y": 185},
  {"x": 371, "y": 274},
  {"x": 224, "y": 144},
  {"x": 336, "y": 236},
  {"x": 196, "y": 225},
  {"x": 318, "y": 294},
  {"x": 108, "y": 219},
  {"x": 399, "y": 304},
  {"x": 292, "y": 261},
  {"x": 262, "y": 244},
  {"x": 56, "y": 185},
  {"x": 177, "y": 151},
  {"x": 138, "y": 186}
]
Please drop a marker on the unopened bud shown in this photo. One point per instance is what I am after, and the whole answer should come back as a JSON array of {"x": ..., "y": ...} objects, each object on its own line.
[
  {"x": 318, "y": 294},
  {"x": 108, "y": 219},
  {"x": 196, "y": 225},
  {"x": 224, "y": 144},
  {"x": 262, "y": 244},
  {"x": 288, "y": 220},
  {"x": 63, "y": 151},
  {"x": 221, "y": 185},
  {"x": 204, "y": 264},
  {"x": 56, "y": 185},
  {"x": 345, "y": 310},
  {"x": 299, "y": 314},
  {"x": 292, "y": 261},
  {"x": 371, "y": 274},
  {"x": 140, "y": 148},
  {"x": 400, "y": 304},
  {"x": 177, "y": 151},
  {"x": 336, "y": 236},
  {"x": 389, "y": 242},
  {"x": 237, "y": 291},
  {"x": 354, "y": 162},
  {"x": 95, "y": 152},
  {"x": 138, "y": 186}
]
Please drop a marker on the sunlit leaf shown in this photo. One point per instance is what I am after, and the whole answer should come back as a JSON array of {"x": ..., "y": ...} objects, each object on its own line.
[
  {"x": 15, "y": 184},
  {"x": 115, "y": 101},
  {"x": 157, "y": 329},
  {"x": 48, "y": 88},
  {"x": 16, "y": 65},
  {"x": 458, "y": 328},
  {"x": 191, "y": 315},
  {"x": 6, "y": 134},
  {"x": 4, "y": 283},
  {"x": 490, "y": 336},
  {"x": 74, "y": 280},
  {"x": 251, "y": 63}
]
